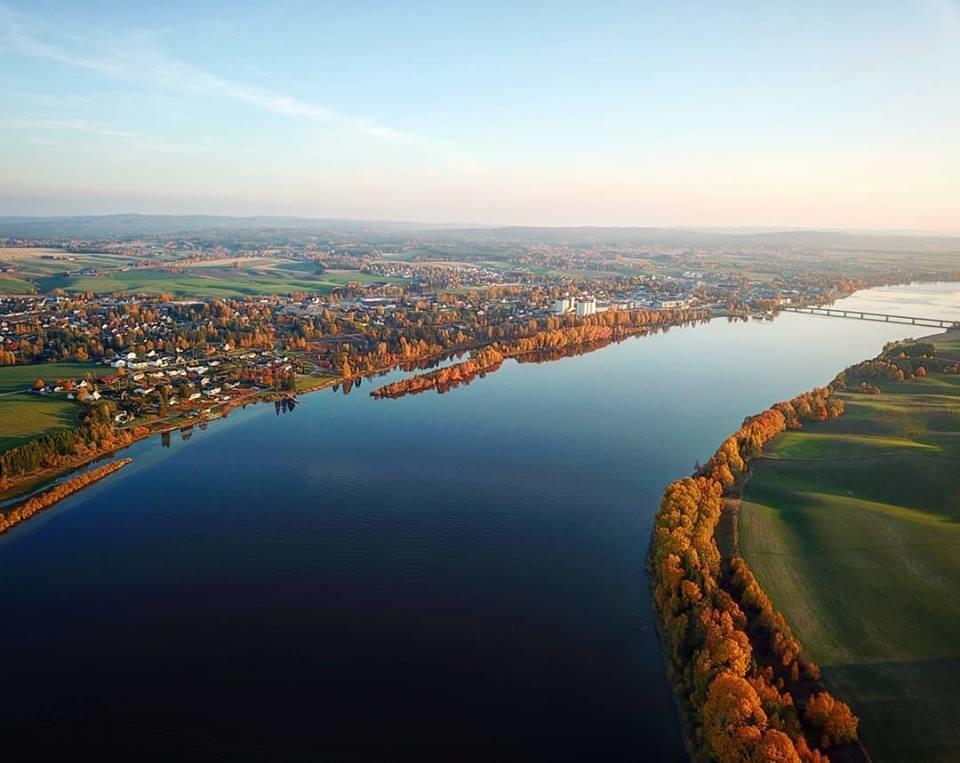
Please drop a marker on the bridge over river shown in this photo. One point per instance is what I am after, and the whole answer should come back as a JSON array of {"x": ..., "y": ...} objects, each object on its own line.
[{"x": 862, "y": 315}]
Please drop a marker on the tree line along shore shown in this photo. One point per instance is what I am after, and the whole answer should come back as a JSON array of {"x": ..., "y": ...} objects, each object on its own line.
[
  {"x": 97, "y": 434},
  {"x": 748, "y": 689},
  {"x": 593, "y": 332},
  {"x": 37, "y": 503}
]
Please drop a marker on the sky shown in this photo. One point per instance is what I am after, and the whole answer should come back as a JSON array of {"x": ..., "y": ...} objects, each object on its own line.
[{"x": 835, "y": 114}]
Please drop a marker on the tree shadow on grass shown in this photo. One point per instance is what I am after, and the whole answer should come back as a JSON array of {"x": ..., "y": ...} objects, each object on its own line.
[{"x": 908, "y": 710}]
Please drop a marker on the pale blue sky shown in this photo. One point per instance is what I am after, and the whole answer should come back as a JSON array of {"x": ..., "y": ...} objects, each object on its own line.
[{"x": 834, "y": 114}]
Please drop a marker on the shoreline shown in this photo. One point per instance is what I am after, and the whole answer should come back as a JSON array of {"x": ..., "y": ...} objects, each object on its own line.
[
  {"x": 683, "y": 718},
  {"x": 28, "y": 508},
  {"x": 36, "y": 482},
  {"x": 504, "y": 351},
  {"x": 926, "y": 385},
  {"x": 25, "y": 486},
  {"x": 697, "y": 571},
  {"x": 39, "y": 480},
  {"x": 745, "y": 646}
]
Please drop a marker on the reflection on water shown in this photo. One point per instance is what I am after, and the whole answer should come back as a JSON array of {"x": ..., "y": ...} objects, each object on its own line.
[
  {"x": 467, "y": 377},
  {"x": 434, "y": 577},
  {"x": 935, "y": 300},
  {"x": 284, "y": 405}
]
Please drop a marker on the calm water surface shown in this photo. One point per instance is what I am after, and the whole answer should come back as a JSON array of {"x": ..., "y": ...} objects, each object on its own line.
[{"x": 456, "y": 575}]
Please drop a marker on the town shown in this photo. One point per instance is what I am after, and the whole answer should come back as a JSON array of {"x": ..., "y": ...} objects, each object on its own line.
[{"x": 163, "y": 332}]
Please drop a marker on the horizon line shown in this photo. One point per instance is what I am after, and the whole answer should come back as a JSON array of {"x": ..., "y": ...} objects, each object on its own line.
[{"x": 745, "y": 229}]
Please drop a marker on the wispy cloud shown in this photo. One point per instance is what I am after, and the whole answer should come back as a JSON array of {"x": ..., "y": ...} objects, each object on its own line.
[
  {"x": 134, "y": 139},
  {"x": 80, "y": 125},
  {"x": 148, "y": 66}
]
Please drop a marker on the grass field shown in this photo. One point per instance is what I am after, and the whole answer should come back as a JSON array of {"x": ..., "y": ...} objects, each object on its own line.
[
  {"x": 212, "y": 281},
  {"x": 44, "y": 270},
  {"x": 25, "y": 416},
  {"x": 18, "y": 378},
  {"x": 34, "y": 264},
  {"x": 312, "y": 381},
  {"x": 852, "y": 527},
  {"x": 11, "y": 285}
]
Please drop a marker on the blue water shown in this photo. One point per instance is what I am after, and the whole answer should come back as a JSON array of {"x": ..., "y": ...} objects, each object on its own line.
[{"x": 456, "y": 575}]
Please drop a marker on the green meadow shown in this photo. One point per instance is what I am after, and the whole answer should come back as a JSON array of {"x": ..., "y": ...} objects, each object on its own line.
[
  {"x": 35, "y": 265},
  {"x": 44, "y": 270},
  {"x": 20, "y": 378},
  {"x": 201, "y": 282},
  {"x": 10, "y": 285},
  {"x": 24, "y": 415},
  {"x": 852, "y": 526}
]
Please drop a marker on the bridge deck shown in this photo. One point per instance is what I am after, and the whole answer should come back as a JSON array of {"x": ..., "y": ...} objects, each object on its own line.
[{"x": 866, "y": 315}]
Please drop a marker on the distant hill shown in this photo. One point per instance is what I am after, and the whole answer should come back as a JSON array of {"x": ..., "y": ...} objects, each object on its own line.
[
  {"x": 799, "y": 239},
  {"x": 128, "y": 226},
  {"x": 135, "y": 225}
]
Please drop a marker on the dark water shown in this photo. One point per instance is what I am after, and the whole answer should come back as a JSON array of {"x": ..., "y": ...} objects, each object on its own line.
[{"x": 457, "y": 576}]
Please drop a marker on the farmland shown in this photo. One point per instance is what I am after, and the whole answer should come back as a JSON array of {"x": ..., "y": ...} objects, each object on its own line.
[
  {"x": 10, "y": 285},
  {"x": 45, "y": 270},
  {"x": 26, "y": 416},
  {"x": 33, "y": 265},
  {"x": 19, "y": 378},
  {"x": 852, "y": 526},
  {"x": 23, "y": 415},
  {"x": 210, "y": 282}
]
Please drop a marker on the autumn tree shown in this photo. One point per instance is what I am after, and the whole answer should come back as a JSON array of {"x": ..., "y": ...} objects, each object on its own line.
[
  {"x": 776, "y": 747},
  {"x": 832, "y": 718},
  {"x": 733, "y": 721}
]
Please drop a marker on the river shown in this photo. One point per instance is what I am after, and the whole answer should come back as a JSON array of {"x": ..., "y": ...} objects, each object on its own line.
[{"x": 455, "y": 575}]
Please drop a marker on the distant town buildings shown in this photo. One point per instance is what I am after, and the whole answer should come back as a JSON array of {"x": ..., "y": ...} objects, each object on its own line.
[{"x": 585, "y": 307}]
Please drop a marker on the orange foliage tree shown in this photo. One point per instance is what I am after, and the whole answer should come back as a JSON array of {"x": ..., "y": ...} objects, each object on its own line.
[{"x": 737, "y": 709}]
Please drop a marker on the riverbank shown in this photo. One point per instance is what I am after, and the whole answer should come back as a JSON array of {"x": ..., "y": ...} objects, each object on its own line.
[
  {"x": 625, "y": 324},
  {"x": 589, "y": 336},
  {"x": 747, "y": 688},
  {"x": 28, "y": 508},
  {"x": 852, "y": 528},
  {"x": 350, "y": 528},
  {"x": 22, "y": 485}
]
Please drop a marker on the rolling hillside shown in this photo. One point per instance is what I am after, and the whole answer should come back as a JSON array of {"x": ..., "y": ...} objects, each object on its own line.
[{"x": 852, "y": 526}]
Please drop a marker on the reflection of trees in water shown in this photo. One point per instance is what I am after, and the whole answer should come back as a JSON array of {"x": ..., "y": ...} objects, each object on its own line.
[
  {"x": 424, "y": 364},
  {"x": 428, "y": 365},
  {"x": 538, "y": 356},
  {"x": 463, "y": 382},
  {"x": 165, "y": 439},
  {"x": 545, "y": 356},
  {"x": 286, "y": 405},
  {"x": 550, "y": 354}
]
